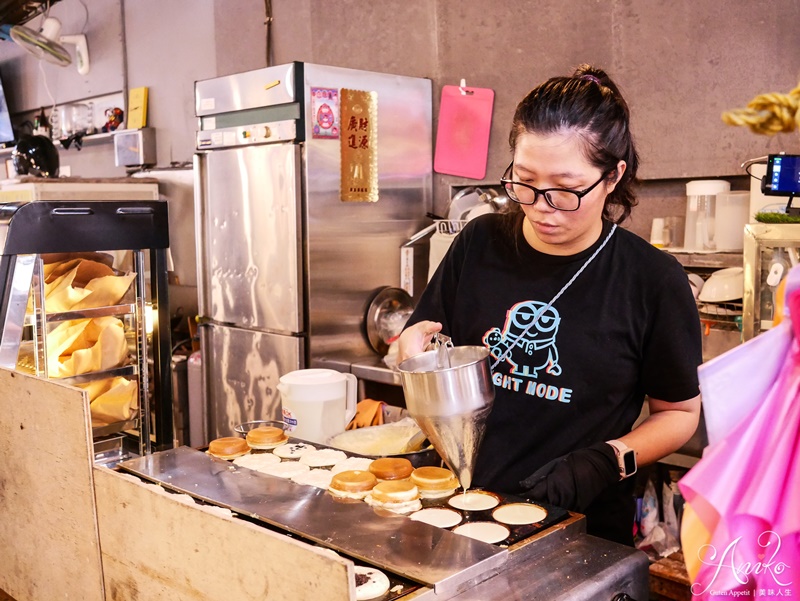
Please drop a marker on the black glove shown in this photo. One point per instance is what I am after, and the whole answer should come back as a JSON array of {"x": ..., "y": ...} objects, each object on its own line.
[{"x": 574, "y": 480}]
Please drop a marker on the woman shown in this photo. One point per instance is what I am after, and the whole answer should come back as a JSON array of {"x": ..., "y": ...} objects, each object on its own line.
[{"x": 582, "y": 319}]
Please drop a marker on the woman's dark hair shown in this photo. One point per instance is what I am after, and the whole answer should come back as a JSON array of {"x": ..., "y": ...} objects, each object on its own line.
[{"x": 589, "y": 104}]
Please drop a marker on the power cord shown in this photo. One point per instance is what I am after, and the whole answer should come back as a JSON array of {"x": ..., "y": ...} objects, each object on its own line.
[
  {"x": 747, "y": 164},
  {"x": 86, "y": 19},
  {"x": 49, "y": 93}
]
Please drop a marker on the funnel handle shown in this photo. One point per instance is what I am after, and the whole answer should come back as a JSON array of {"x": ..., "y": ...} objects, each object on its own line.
[{"x": 352, "y": 392}]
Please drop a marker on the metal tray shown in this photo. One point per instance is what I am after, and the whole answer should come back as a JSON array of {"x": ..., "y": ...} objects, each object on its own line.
[
  {"x": 115, "y": 428},
  {"x": 122, "y": 309},
  {"x": 26, "y": 363}
]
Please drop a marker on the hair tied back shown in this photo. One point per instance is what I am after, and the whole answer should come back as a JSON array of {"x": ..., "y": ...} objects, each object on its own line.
[{"x": 590, "y": 77}]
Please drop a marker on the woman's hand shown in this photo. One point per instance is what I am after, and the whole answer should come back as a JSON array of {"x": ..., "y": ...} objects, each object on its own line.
[
  {"x": 574, "y": 480},
  {"x": 415, "y": 338}
]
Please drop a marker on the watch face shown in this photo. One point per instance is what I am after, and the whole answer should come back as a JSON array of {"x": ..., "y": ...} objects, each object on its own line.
[{"x": 629, "y": 458}]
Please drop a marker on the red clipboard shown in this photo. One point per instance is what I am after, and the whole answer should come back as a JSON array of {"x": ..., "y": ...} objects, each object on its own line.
[{"x": 462, "y": 136}]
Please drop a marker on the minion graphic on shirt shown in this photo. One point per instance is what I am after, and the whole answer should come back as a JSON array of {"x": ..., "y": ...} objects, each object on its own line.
[{"x": 531, "y": 326}]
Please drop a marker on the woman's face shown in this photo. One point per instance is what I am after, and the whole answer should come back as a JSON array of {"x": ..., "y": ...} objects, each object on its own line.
[{"x": 557, "y": 161}]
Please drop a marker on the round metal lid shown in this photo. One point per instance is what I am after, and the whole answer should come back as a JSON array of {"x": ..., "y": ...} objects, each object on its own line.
[{"x": 386, "y": 316}]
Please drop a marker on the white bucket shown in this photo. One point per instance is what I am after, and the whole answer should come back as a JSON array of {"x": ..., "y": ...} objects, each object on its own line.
[{"x": 317, "y": 403}]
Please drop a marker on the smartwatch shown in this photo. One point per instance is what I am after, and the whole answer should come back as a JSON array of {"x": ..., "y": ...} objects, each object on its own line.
[{"x": 626, "y": 457}]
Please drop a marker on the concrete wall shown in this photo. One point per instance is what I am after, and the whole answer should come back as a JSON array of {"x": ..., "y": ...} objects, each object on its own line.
[{"x": 679, "y": 63}]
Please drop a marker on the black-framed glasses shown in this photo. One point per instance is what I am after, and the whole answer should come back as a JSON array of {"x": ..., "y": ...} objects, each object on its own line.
[{"x": 561, "y": 199}]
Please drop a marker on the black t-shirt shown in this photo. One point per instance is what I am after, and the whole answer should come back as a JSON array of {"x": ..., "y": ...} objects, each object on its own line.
[{"x": 625, "y": 328}]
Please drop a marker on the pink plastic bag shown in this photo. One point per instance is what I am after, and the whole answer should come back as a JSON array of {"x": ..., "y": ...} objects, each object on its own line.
[
  {"x": 746, "y": 489},
  {"x": 735, "y": 383}
]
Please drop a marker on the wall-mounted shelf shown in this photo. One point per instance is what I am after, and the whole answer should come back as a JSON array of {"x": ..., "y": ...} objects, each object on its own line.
[
  {"x": 88, "y": 140},
  {"x": 92, "y": 117},
  {"x": 706, "y": 259}
]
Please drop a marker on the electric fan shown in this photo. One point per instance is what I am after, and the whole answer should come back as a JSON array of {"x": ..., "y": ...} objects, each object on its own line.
[{"x": 46, "y": 44}]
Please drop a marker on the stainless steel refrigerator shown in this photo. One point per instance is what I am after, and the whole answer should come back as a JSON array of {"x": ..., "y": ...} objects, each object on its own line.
[{"x": 288, "y": 254}]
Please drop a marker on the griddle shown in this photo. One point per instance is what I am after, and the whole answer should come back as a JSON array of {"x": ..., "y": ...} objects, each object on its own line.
[{"x": 414, "y": 550}]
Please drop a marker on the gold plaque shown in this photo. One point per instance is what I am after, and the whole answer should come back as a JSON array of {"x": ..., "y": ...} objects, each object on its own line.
[{"x": 359, "y": 143}]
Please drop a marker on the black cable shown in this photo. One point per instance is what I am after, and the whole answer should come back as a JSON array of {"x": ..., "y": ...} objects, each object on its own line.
[
  {"x": 179, "y": 344},
  {"x": 747, "y": 164}
]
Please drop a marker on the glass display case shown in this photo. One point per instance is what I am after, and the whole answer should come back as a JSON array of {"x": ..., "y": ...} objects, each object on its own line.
[
  {"x": 770, "y": 250},
  {"x": 83, "y": 289}
]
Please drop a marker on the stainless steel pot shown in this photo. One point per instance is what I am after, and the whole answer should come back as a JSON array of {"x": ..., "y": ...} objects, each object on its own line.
[
  {"x": 388, "y": 440},
  {"x": 451, "y": 404}
]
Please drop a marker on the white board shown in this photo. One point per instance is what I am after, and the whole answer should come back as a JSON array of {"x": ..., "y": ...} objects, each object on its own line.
[
  {"x": 155, "y": 546},
  {"x": 48, "y": 530}
]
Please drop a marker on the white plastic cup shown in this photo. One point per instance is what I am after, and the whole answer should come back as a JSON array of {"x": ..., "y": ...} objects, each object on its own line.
[
  {"x": 674, "y": 230},
  {"x": 657, "y": 232},
  {"x": 317, "y": 404},
  {"x": 65, "y": 120}
]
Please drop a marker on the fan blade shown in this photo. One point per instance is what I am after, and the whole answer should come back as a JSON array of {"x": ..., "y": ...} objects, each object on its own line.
[{"x": 40, "y": 46}]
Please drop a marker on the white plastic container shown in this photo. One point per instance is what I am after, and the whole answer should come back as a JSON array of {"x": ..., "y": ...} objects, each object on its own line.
[
  {"x": 700, "y": 205},
  {"x": 731, "y": 215},
  {"x": 317, "y": 403}
]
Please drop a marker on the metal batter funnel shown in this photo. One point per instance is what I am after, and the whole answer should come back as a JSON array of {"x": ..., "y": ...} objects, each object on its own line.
[{"x": 451, "y": 404}]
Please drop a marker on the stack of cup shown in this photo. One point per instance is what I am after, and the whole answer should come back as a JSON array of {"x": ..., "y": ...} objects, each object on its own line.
[
  {"x": 657, "y": 233},
  {"x": 667, "y": 232}
]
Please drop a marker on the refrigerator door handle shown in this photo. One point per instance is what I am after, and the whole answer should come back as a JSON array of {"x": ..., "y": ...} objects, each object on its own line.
[{"x": 199, "y": 235}]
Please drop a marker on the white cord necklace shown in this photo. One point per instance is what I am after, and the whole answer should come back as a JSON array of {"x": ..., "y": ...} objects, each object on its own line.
[{"x": 557, "y": 296}]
